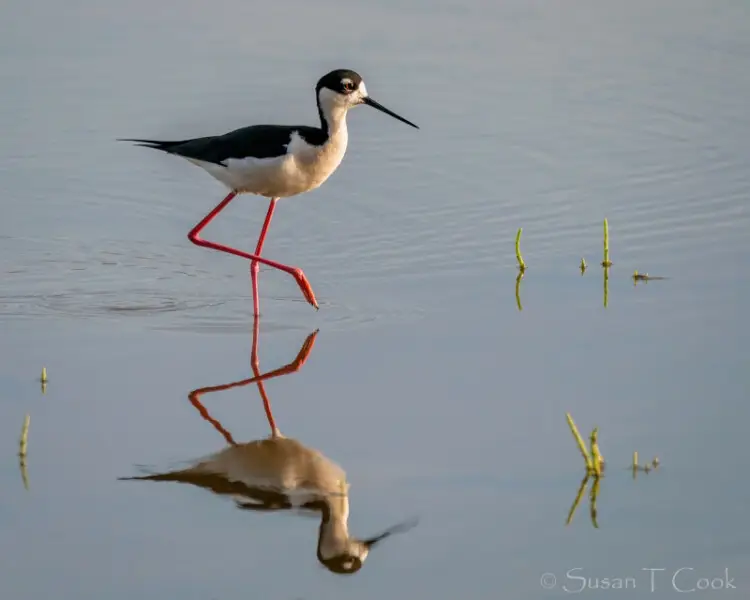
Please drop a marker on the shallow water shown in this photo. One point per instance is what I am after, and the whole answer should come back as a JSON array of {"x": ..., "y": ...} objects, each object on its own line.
[{"x": 427, "y": 384}]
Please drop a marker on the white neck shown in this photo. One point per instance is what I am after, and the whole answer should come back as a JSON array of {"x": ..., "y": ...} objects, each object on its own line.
[
  {"x": 333, "y": 108},
  {"x": 336, "y": 120},
  {"x": 334, "y": 530}
]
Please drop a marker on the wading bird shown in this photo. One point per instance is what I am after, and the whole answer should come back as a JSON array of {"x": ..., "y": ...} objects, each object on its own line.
[{"x": 276, "y": 161}]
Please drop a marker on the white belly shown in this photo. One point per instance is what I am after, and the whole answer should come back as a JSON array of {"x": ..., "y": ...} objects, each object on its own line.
[
  {"x": 302, "y": 169},
  {"x": 280, "y": 464}
]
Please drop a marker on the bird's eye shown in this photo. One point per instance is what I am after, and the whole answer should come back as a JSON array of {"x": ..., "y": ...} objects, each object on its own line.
[{"x": 348, "y": 86}]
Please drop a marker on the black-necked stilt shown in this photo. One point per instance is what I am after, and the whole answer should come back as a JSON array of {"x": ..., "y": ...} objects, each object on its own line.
[
  {"x": 276, "y": 161},
  {"x": 278, "y": 473}
]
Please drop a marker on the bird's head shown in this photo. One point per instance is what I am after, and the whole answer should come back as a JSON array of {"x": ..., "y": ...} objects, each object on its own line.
[
  {"x": 345, "y": 556},
  {"x": 342, "y": 89}
]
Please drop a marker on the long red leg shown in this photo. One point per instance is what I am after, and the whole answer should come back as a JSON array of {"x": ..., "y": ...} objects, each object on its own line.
[
  {"x": 254, "y": 266},
  {"x": 296, "y": 272}
]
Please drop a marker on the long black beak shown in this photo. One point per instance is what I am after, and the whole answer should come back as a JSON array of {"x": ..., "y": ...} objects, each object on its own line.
[
  {"x": 401, "y": 527},
  {"x": 370, "y": 102}
]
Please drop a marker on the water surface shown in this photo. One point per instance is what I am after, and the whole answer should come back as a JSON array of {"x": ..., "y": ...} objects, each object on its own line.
[{"x": 427, "y": 384}]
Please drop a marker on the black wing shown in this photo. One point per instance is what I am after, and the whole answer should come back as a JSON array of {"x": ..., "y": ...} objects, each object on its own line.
[{"x": 256, "y": 141}]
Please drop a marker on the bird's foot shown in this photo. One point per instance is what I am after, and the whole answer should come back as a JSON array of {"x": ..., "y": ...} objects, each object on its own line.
[{"x": 304, "y": 286}]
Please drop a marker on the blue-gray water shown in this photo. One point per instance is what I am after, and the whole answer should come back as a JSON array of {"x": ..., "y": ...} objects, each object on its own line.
[{"x": 426, "y": 383}]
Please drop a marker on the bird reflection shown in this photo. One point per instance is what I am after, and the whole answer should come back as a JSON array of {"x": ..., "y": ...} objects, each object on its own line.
[{"x": 280, "y": 473}]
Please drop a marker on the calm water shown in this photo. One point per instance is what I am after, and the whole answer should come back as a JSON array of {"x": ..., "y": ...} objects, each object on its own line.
[{"x": 427, "y": 384}]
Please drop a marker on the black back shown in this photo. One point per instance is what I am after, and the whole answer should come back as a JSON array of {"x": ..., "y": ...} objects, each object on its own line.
[
  {"x": 256, "y": 141},
  {"x": 259, "y": 141}
]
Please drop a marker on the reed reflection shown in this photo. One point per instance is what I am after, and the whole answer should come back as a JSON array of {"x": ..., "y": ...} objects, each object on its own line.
[
  {"x": 518, "y": 290},
  {"x": 279, "y": 473},
  {"x": 593, "y": 496}
]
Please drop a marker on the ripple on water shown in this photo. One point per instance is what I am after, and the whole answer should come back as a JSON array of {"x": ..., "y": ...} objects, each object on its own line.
[
  {"x": 197, "y": 311},
  {"x": 100, "y": 303},
  {"x": 236, "y": 316},
  {"x": 73, "y": 280},
  {"x": 156, "y": 289}
]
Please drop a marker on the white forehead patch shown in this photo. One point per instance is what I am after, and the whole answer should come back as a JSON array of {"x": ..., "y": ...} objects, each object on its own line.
[{"x": 362, "y": 89}]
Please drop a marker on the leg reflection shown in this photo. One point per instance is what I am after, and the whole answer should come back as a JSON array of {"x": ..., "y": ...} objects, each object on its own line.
[{"x": 258, "y": 379}]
